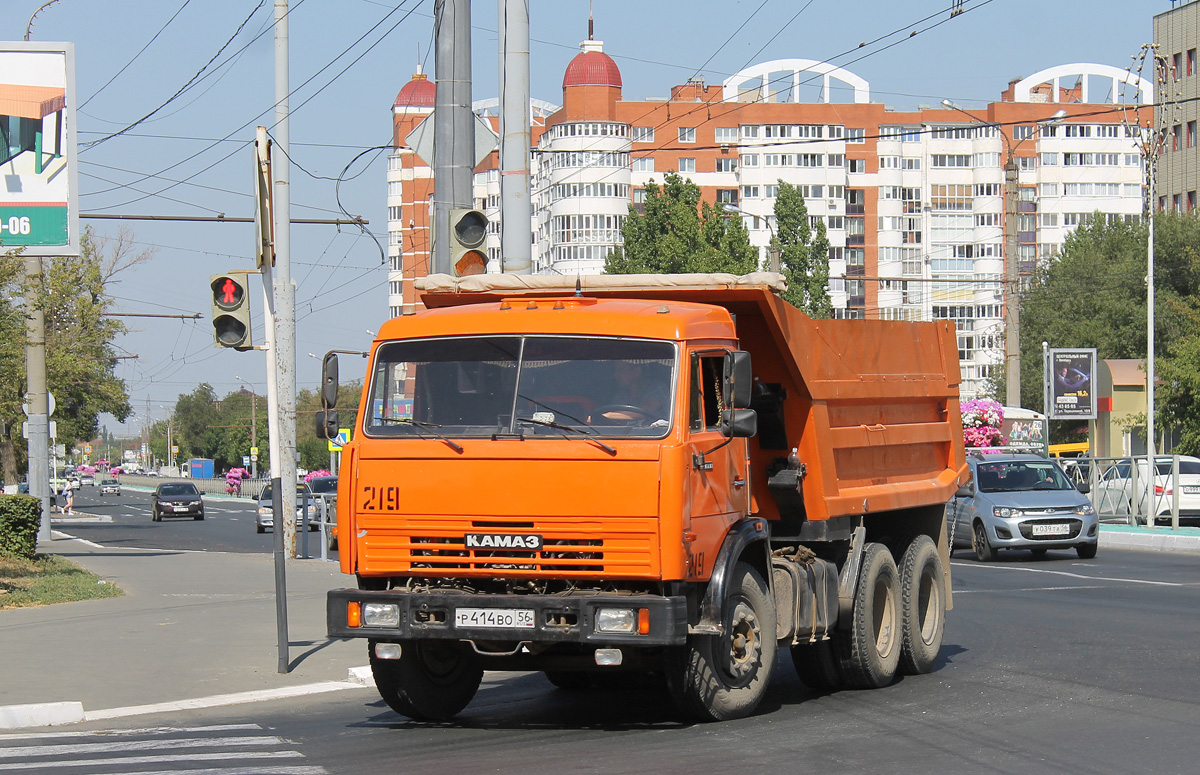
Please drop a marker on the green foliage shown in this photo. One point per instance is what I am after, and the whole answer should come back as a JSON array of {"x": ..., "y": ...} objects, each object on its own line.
[
  {"x": 1094, "y": 295},
  {"x": 20, "y": 517},
  {"x": 679, "y": 234},
  {"x": 803, "y": 253},
  {"x": 48, "y": 579},
  {"x": 80, "y": 356}
]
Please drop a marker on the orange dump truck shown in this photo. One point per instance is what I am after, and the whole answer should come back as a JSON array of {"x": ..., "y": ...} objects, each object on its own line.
[{"x": 667, "y": 474}]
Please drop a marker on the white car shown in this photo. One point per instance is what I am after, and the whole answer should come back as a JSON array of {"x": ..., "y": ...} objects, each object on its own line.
[
  {"x": 110, "y": 486},
  {"x": 1116, "y": 492}
]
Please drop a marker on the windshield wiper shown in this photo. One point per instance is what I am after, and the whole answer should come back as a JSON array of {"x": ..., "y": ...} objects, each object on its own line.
[
  {"x": 586, "y": 434},
  {"x": 427, "y": 426}
]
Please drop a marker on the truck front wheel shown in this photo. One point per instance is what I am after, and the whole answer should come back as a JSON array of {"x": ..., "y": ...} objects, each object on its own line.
[
  {"x": 922, "y": 606},
  {"x": 723, "y": 677},
  {"x": 869, "y": 649},
  {"x": 431, "y": 681}
]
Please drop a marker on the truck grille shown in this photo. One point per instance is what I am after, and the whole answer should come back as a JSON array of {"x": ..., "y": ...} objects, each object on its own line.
[{"x": 629, "y": 548}]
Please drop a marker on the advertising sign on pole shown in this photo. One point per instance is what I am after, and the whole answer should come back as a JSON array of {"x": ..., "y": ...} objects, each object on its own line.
[
  {"x": 1072, "y": 396},
  {"x": 39, "y": 202}
]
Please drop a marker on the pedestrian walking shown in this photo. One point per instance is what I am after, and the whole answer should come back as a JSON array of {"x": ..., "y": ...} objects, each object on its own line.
[{"x": 69, "y": 497}]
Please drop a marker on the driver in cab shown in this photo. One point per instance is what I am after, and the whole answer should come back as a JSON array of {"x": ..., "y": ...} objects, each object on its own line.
[{"x": 636, "y": 398}]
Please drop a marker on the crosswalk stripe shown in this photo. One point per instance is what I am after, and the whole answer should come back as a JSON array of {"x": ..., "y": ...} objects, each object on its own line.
[
  {"x": 133, "y": 745},
  {"x": 196, "y": 757}
]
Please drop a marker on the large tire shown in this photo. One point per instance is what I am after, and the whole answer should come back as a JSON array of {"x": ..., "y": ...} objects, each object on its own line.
[
  {"x": 817, "y": 666},
  {"x": 1087, "y": 551},
  {"x": 922, "y": 606},
  {"x": 984, "y": 551},
  {"x": 723, "y": 677},
  {"x": 869, "y": 648},
  {"x": 431, "y": 681}
]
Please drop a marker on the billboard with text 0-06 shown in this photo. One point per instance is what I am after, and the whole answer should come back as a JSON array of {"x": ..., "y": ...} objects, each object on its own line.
[{"x": 1072, "y": 396}]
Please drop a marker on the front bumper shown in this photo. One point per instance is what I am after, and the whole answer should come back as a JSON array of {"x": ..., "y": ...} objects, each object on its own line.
[
  {"x": 556, "y": 619},
  {"x": 171, "y": 509},
  {"x": 1018, "y": 532}
]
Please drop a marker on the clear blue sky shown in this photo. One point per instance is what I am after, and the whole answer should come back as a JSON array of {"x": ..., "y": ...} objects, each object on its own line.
[{"x": 345, "y": 109}]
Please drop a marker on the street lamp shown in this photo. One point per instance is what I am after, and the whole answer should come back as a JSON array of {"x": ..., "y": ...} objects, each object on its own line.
[
  {"x": 773, "y": 248},
  {"x": 1012, "y": 321},
  {"x": 253, "y": 427}
]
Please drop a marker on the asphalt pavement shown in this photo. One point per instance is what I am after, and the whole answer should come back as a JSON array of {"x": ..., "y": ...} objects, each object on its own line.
[{"x": 199, "y": 629}]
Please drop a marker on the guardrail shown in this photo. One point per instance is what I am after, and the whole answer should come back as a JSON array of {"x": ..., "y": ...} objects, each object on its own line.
[
  {"x": 250, "y": 488},
  {"x": 1121, "y": 489}
]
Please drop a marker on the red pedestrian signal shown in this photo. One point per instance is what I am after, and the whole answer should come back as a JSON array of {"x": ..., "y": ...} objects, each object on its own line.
[{"x": 230, "y": 310}]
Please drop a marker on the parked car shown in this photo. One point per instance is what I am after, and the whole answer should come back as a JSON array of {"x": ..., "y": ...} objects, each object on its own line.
[
  {"x": 1021, "y": 502},
  {"x": 326, "y": 488},
  {"x": 110, "y": 486},
  {"x": 1116, "y": 492},
  {"x": 266, "y": 510},
  {"x": 88, "y": 480},
  {"x": 176, "y": 499}
]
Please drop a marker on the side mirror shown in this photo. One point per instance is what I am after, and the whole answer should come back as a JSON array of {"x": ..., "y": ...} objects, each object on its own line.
[
  {"x": 739, "y": 423},
  {"x": 966, "y": 491},
  {"x": 329, "y": 382},
  {"x": 327, "y": 424},
  {"x": 1083, "y": 487},
  {"x": 737, "y": 384}
]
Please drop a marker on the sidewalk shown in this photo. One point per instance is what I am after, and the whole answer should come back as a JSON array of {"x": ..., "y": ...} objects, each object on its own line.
[
  {"x": 196, "y": 625},
  {"x": 191, "y": 625}
]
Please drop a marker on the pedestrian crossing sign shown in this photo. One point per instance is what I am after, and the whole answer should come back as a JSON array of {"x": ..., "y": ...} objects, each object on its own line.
[{"x": 340, "y": 440}]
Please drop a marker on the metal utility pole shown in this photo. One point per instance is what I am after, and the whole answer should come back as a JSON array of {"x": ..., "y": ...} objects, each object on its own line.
[
  {"x": 516, "y": 248},
  {"x": 284, "y": 291},
  {"x": 1012, "y": 288},
  {"x": 453, "y": 123},
  {"x": 36, "y": 393}
]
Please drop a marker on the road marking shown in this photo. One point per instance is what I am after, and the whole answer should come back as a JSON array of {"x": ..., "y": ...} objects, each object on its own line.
[
  {"x": 219, "y": 700},
  {"x": 1069, "y": 575},
  {"x": 1030, "y": 589}
]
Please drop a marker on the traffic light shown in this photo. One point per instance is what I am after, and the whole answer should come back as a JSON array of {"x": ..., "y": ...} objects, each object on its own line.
[
  {"x": 468, "y": 230},
  {"x": 231, "y": 310}
]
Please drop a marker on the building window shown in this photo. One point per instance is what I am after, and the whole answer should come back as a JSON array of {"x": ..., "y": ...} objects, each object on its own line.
[
  {"x": 1191, "y": 134},
  {"x": 1049, "y": 159},
  {"x": 1076, "y": 130},
  {"x": 837, "y": 160},
  {"x": 749, "y": 192},
  {"x": 1191, "y": 61},
  {"x": 749, "y": 159},
  {"x": 854, "y": 135},
  {"x": 726, "y": 134},
  {"x": 643, "y": 134},
  {"x": 1022, "y": 132},
  {"x": 1175, "y": 137},
  {"x": 749, "y": 131},
  {"x": 1177, "y": 66},
  {"x": 856, "y": 165},
  {"x": 727, "y": 196},
  {"x": 687, "y": 165},
  {"x": 643, "y": 164},
  {"x": 1191, "y": 201},
  {"x": 687, "y": 134},
  {"x": 639, "y": 196},
  {"x": 727, "y": 165}
]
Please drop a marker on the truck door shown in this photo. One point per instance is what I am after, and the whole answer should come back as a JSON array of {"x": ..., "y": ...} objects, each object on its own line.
[{"x": 719, "y": 487}]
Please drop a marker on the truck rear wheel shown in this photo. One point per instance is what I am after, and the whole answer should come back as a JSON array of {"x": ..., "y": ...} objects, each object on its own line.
[
  {"x": 723, "y": 677},
  {"x": 816, "y": 665},
  {"x": 869, "y": 650},
  {"x": 431, "y": 681},
  {"x": 922, "y": 606}
]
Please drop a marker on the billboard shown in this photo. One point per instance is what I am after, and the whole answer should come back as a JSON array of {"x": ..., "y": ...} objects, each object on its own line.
[
  {"x": 39, "y": 199},
  {"x": 1072, "y": 396}
]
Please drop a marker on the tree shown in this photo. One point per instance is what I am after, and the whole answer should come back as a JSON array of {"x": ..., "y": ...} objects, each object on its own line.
[
  {"x": 677, "y": 233},
  {"x": 80, "y": 355},
  {"x": 1093, "y": 294},
  {"x": 803, "y": 253}
]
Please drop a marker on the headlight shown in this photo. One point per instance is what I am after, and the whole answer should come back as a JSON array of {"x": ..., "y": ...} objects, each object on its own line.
[
  {"x": 616, "y": 620},
  {"x": 1085, "y": 510},
  {"x": 1005, "y": 512},
  {"x": 265, "y": 511},
  {"x": 381, "y": 614}
]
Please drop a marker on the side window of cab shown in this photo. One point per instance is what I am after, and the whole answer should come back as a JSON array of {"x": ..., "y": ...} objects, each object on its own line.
[{"x": 704, "y": 406}]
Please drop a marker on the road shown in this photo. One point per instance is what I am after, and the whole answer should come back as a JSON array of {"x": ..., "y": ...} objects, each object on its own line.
[
  {"x": 228, "y": 525},
  {"x": 1049, "y": 666}
]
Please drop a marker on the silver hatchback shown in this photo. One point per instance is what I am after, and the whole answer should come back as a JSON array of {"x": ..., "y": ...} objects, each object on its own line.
[{"x": 1021, "y": 502}]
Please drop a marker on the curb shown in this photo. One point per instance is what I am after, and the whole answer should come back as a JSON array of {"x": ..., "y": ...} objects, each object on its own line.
[
  {"x": 1154, "y": 539},
  {"x": 51, "y": 714}
]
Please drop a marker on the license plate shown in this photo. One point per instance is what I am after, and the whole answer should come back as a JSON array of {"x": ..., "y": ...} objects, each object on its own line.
[
  {"x": 521, "y": 618},
  {"x": 1191, "y": 490},
  {"x": 182, "y": 508},
  {"x": 1051, "y": 530}
]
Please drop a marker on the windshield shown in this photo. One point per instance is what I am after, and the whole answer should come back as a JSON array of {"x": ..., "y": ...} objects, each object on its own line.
[
  {"x": 514, "y": 385},
  {"x": 1017, "y": 475},
  {"x": 323, "y": 485},
  {"x": 301, "y": 489},
  {"x": 178, "y": 489}
]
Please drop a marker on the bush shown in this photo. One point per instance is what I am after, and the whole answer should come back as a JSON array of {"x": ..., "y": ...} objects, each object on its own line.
[{"x": 20, "y": 518}]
